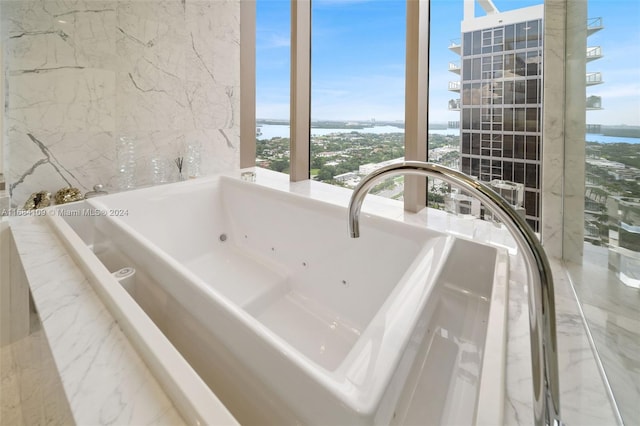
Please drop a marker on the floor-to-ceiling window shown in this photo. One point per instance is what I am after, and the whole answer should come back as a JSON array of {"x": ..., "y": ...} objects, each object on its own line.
[
  {"x": 273, "y": 64},
  {"x": 357, "y": 90},
  {"x": 485, "y": 117},
  {"x": 607, "y": 279},
  {"x": 444, "y": 96}
]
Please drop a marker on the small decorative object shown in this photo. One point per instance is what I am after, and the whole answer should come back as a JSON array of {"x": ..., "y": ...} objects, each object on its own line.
[
  {"x": 67, "y": 195},
  {"x": 97, "y": 190},
  {"x": 248, "y": 176},
  {"x": 179, "y": 163},
  {"x": 193, "y": 160},
  {"x": 38, "y": 200},
  {"x": 159, "y": 170},
  {"x": 126, "y": 162}
]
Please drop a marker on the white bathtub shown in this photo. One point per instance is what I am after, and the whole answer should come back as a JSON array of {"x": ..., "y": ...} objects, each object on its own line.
[{"x": 288, "y": 320}]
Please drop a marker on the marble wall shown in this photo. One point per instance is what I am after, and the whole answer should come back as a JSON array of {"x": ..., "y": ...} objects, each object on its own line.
[
  {"x": 564, "y": 127},
  {"x": 79, "y": 74}
]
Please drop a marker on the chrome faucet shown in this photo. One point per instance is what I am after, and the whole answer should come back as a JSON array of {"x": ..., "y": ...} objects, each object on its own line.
[{"x": 542, "y": 317}]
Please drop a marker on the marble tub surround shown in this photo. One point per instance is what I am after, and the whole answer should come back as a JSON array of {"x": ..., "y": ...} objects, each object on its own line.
[
  {"x": 80, "y": 74},
  {"x": 613, "y": 316},
  {"x": 584, "y": 396},
  {"x": 104, "y": 378}
]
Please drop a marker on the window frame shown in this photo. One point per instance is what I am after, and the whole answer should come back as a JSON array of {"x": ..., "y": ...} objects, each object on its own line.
[
  {"x": 563, "y": 149},
  {"x": 416, "y": 95}
]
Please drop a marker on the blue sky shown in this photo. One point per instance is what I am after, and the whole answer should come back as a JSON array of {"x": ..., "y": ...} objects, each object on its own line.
[{"x": 358, "y": 58}]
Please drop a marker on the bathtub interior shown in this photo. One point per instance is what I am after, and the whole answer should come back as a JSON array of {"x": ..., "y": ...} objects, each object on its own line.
[
  {"x": 320, "y": 299},
  {"x": 289, "y": 264},
  {"x": 443, "y": 387}
]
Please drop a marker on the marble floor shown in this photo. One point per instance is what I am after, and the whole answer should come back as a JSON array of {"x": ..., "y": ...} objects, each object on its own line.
[
  {"x": 10, "y": 407},
  {"x": 612, "y": 311},
  {"x": 30, "y": 388}
]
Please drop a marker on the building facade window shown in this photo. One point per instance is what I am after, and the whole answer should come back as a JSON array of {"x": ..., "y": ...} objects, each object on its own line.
[{"x": 501, "y": 130}]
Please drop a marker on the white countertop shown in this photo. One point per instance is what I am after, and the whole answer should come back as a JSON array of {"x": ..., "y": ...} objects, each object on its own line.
[{"x": 106, "y": 381}]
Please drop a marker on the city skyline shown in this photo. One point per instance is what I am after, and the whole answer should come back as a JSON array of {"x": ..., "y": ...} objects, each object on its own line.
[{"x": 358, "y": 73}]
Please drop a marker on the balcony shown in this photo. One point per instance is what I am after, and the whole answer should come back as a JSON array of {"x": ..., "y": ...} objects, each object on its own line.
[
  {"x": 594, "y": 103},
  {"x": 594, "y": 25},
  {"x": 454, "y": 104},
  {"x": 454, "y": 67},
  {"x": 454, "y": 86},
  {"x": 455, "y": 46},
  {"x": 594, "y": 128},
  {"x": 594, "y": 78},
  {"x": 594, "y": 53}
]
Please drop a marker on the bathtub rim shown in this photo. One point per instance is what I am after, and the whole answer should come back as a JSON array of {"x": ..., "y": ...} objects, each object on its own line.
[
  {"x": 491, "y": 399},
  {"x": 376, "y": 217},
  {"x": 368, "y": 399},
  {"x": 194, "y": 400}
]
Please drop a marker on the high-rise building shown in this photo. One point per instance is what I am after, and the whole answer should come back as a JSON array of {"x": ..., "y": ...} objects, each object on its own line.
[
  {"x": 501, "y": 98},
  {"x": 500, "y": 104}
]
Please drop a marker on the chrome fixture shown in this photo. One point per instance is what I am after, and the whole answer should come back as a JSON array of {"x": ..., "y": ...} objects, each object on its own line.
[{"x": 542, "y": 325}]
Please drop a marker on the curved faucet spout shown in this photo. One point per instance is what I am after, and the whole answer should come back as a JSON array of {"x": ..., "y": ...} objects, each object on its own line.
[{"x": 542, "y": 327}]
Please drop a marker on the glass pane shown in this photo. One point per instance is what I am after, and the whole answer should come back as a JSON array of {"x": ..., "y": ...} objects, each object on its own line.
[
  {"x": 608, "y": 279},
  {"x": 357, "y": 91},
  {"x": 273, "y": 57}
]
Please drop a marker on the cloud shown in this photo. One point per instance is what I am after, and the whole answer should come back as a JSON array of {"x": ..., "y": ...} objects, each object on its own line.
[
  {"x": 274, "y": 110},
  {"x": 317, "y": 3},
  {"x": 379, "y": 97},
  {"x": 273, "y": 41},
  {"x": 618, "y": 74},
  {"x": 629, "y": 90},
  {"x": 363, "y": 95}
]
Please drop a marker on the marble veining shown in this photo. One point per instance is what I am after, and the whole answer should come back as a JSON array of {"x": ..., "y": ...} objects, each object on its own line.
[
  {"x": 80, "y": 74},
  {"x": 553, "y": 130},
  {"x": 575, "y": 130},
  {"x": 612, "y": 311},
  {"x": 564, "y": 129},
  {"x": 47, "y": 160},
  {"x": 583, "y": 397},
  {"x": 618, "y": 341}
]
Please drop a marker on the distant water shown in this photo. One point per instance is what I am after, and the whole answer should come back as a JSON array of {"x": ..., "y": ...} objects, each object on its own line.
[
  {"x": 273, "y": 131},
  {"x": 282, "y": 130},
  {"x": 593, "y": 137}
]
